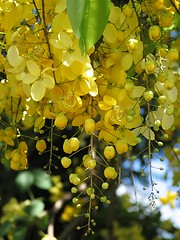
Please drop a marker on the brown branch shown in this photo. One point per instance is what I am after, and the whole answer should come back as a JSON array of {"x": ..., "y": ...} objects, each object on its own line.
[
  {"x": 45, "y": 28},
  {"x": 46, "y": 35},
  {"x": 39, "y": 16},
  {"x": 55, "y": 209},
  {"x": 175, "y": 154},
  {"x": 71, "y": 227}
]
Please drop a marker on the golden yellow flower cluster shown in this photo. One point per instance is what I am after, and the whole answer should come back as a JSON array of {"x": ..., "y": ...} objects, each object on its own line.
[{"x": 123, "y": 88}]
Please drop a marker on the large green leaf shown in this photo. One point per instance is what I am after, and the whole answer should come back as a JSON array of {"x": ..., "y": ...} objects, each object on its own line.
[
  {"x": 24, "y": 180},
  {"x": 20, "y": 233},
  {"x": 42, "y": 180},
  {"x": 88, "y": 19},
  {"x": 5, "y": 228},
  {"x": 35, "y": 207}
]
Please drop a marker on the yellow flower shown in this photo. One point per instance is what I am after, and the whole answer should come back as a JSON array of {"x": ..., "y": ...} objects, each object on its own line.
[
  {"x": 39, "y": 80},
  {"x": 107, "y": 103},
  {"x": 68, "y": 48},
  {"x": 169, "y": 199}
]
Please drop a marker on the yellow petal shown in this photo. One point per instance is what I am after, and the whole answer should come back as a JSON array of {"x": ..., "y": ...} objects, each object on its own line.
[
  {"x": 33, "y": 68},
  {"x": 79, "y": 120},
  {"x": 13, "y": 56},
  {"x": 108, "y": 136},
  {"x": 39, "y": 122},
  {"x": 29, "y": 78},
  {"x": 130, "y": 137},
  {"x": 109, "y": 100},
  {"x": 138, "y": 54},
  {"x": 107, "y": 121},
  {"x": 167, "y": 121},
  {"x": 65, "y": 39},
  {"x": 38, "y": 90},
  {"x": 126, "y": 61},
  {"x": 67, "y": 59},
  {"x": 55, "y": 43},
  {"x": 137, "y": 91},
  {"x": 172, "y": 94},
  {"x": 110, "y": 33},
  {"x": 147, "y": 133},
  {"x": 85, "y": 86},
  {"x": 60, "y": 6},
  {"x": 104, "y": 106},
  {"x": 93, "y": 88},
  {"x": 48, "y": 81}
]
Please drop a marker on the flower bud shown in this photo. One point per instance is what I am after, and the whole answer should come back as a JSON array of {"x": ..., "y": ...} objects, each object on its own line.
[
  {"x": 110, "y": 173},
  {"x": 148, "y": 95},
  {"x": 109, "y": 152},
  {"x": 154, "y": 33},
  {"x": 166, "y": 19},
  {"x": 132, "y": 45},
  {"x": 89, "y": 126},
  {"x": 66, "y": 162},
  {"x": 150, "y": 67},
  {"x": 173, "y": 55},
  {"x": 61, "y": 121}
]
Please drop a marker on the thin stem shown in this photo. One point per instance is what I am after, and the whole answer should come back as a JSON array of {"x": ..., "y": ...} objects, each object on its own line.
[
  {"x": 90, "y": 206},
  {"x": 149, "y": 147},
  {"x": 176, "y": 156},
  {"x": 45, "y": 28},
  {"x": 133, "y": 182},
  {"x": 46, "y": 34},
  {"x": 39, "y": 16},
  {"x": 51, "y": 148}
]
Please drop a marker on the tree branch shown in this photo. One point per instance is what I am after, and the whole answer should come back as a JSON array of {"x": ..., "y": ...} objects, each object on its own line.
[{"x": 55, "y": 209}]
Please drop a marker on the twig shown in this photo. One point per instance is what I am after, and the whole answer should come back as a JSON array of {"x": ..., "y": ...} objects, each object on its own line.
[
  {"x": 55, "y": 209},
  {"x": 70, "y": 228}
]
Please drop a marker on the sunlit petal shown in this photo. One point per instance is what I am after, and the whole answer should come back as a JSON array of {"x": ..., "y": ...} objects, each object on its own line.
[
  {"x": 33, "y": 68},
  {"x": 38, "y": 90},
  {"x": 29, "y": 78},
  {"x": 48, "y": 81}
]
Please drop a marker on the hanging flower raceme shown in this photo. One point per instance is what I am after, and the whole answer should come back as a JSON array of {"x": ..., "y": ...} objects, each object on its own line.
[{"x": 122, "y": 89}]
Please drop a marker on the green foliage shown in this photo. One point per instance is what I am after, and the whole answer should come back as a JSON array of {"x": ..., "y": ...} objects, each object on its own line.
[
  {"x": 4, "y": 228},
  {"x": 24, "y": 180},
  {"x": 35, "y": 207},
  {"x": 42, "y": 180},
  {"x": 20, "y": 233},
  {"x": 91, "y": 112},
  {"x": 37, "y": 177},
  {"x": 88, "y": 19}
]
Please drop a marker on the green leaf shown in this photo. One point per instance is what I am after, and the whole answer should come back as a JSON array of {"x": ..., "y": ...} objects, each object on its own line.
[
  {"x": 88, "y": 19},
  {"x": 24, "y": 180},
  {"x": 20, "y": 233},
  {"x": 4, "y": 228},
  {"x": 150, "y": 47},
  {"x": 177, "y": 21},
  {"x": 42, "y": 180},
  {"x": 35, "y": 207}
]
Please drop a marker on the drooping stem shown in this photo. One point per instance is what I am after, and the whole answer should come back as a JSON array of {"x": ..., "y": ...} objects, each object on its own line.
[
  {"x": 45, "y": 29},
  {"x": 149, "y": 147},
  {"x": 46, "y": 35},
  {"x": 51, "y": 147}
]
